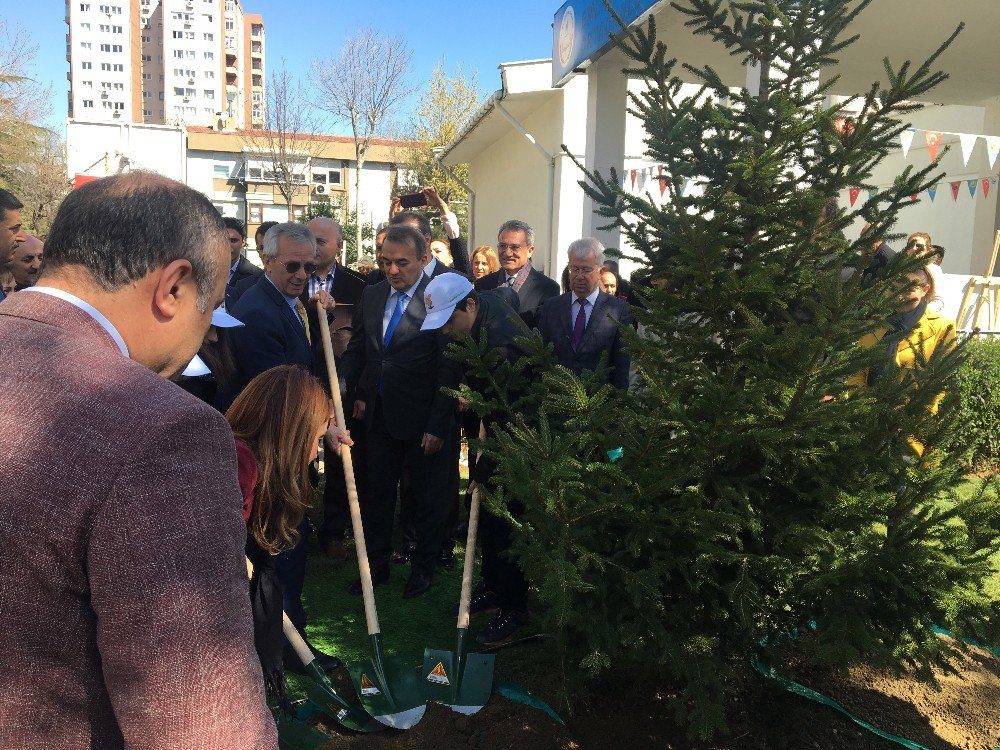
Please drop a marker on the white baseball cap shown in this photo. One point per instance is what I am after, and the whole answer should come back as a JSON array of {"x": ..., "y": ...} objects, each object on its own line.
[
  {"x": 220, "y": 319},
  {"x": 441, "y": 296}
]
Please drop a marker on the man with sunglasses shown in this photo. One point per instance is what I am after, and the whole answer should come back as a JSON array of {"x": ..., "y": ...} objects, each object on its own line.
[
  {"x": 276, "y": 332},
  {"x": 515, "y": 246}
]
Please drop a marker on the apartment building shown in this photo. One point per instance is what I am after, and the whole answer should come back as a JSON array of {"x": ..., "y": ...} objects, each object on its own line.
[{"x": 196, "y": 62}]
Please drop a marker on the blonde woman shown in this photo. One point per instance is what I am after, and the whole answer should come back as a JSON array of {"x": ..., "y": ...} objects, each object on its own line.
[{"x": 484, "y": 262}]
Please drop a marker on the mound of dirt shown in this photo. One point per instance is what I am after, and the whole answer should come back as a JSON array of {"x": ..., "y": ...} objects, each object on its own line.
[{"x": 963, "y": 715}]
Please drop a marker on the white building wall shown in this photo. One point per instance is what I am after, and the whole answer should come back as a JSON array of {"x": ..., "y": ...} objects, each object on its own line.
[
  {"x": 101, "y": 149},
  {"x": 98, "y": 47},
  {"x": 376, "y": 189}
]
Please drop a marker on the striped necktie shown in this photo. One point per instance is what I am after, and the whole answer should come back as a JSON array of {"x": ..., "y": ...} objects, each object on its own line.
[{"x": 301, "y": 310}]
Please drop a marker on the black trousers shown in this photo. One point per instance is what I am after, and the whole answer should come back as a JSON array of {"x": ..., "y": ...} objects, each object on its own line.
[
  {"x": 428, "y": 481},
  {"x": 501, "y": 575},
  {"x": 336, "y": 513}
]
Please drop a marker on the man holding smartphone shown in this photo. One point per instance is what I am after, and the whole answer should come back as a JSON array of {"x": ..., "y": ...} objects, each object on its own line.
[{"x": 401, "y": 213}]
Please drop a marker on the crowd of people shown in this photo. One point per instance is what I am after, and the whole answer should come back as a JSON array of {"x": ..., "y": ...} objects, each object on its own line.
[{"x": 128, "y": 504}]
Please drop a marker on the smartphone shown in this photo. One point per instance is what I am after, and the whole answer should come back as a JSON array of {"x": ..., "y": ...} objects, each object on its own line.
[{"x": 413, "y": 200}]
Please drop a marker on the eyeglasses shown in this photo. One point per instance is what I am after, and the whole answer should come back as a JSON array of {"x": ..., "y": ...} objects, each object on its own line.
[
  {"x": 293, "y": 266},
  {"x": 577, "y": 271},
  {"x": 513, "y": 248}
]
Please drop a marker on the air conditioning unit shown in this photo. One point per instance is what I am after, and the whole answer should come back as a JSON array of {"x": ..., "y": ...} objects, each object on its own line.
[
  {"x": 321, "y": 189},
  {"x": 187, "y": 24},
  {"x": 104, "y": 94},
  {"x": 185, "y": 99},
  {"x": 190, "y": 82}
]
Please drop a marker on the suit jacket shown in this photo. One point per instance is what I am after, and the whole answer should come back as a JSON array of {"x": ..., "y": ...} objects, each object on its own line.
[
  {"x": 123, "y": 574},
  {"x": 413, "y": 368},
  {"x": 347, "y": 288},
  {"x": 601, "y": 335},
  {"x": 272, "y": 334},
  {"x": 244, "y": 270},
  {"x": 535, "y": 290}
]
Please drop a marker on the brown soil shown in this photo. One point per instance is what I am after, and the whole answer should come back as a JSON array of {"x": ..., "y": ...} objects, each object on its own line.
[{"x": 963, "y": 714}]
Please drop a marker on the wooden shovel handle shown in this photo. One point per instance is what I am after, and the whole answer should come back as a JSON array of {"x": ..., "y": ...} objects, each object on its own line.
[
  {"x": 470, "y": 551},
  {"x": 352, "y": 488},
  {"x": 298, "y": 642}
]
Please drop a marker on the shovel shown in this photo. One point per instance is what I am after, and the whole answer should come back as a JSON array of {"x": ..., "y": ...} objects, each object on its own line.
[
  {"x": 321, "y": 691},
  {"x": 461, "y": 681},
  {"x": 389, "y": 689}
]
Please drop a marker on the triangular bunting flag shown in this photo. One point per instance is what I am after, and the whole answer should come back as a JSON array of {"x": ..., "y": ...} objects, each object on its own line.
[
  {"x": 932, "y": 192},
  {"x": 633, "y": 174},
  {"x": 955, "y": 187},
  {"x": 854, "y": 192},
  {"x": 968, "y": 143},
  {"x": 986, "y": 188},
  {"x": 906, "y": 140},
  {"x": 687, "y": 183},
  {"x": 663, "y": 183},
  {"x": 992, "y": 149},
  {"x": 973, "y": 186},
  {"x": 933, "y": 141},
  {"x": 642, "y": 179}
]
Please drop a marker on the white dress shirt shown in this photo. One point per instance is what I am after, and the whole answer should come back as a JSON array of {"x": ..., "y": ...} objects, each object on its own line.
[
  {"x": 390, "y": 305},
  {"x": 92, "y": 311},
  {"x": 429, "y": 268},
  {"x": 588, "y": 309}
]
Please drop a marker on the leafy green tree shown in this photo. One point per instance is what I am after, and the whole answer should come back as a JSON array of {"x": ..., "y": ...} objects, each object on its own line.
[
  {"x": 743, "y": 490},
  {"x": 447, "y": 102}
]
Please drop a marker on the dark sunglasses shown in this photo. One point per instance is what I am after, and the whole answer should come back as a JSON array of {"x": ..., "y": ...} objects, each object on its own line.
[{"x": 293, "y": 266}]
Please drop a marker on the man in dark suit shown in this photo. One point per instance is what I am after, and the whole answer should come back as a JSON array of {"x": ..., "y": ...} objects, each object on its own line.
[
  {"x": 583, "y": 324},
  {"x": 434, "y": 268},
  {"x": 345, "y": 286},
  {"x": 275, "y": 332},
  {"x": 408, "y": 416},
  {"x": 515, "y": 246},
  {"x": 119, "y": 503},
  {"x": 239, "y": 267}
]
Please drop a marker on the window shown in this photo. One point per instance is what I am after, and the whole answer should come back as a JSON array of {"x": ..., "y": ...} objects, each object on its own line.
[
  {"x": 147, "y": 113},
  {"x": 256, "y": 212},
  {"x": 85, "y": 45},
  {"x": 178, "y": 91},
  {"x": 176, "y": 15},
  {"x": 209, "y": 74},
  {"x": 319, "y": 178},
  {"x": 207, "y": 17},
  {"x": 177, "y": 34},
  {"x": 88, "y": 103},
  {"x": 179, "y": 54},
  {"x": 111, "y": 48},
  {"x": 230, "y": 25},
  {"x": 147, "y": 58},
  {"x": 190, "y": 93},
  {"x": 119, "y": 105},
  {"x": 85, "y": 7},
  {"x": 87, "y": 65},
  {"x": 87, "y": 84},
  {"x": 85, "y": 26},
  {"x": 334, "y": 176},
  {"x": 209, "y": 93},
  {"x": 146, "y": 40},
  {"x": 222, "y": 170},
  {"x": 255, "y": 173},
  {"x": 230, "y": 42},
  {"x": 118, "y": 67},
  {"x": 147, "y": 76},
  {"x": 229, "y": 5},
  {"x": 208, "y": 55},
  {"x": 299, "y": 213},
  {"x": 208, "y": 37},
  {"x": 189, "y": 35},
  {"x": 147, "y": 94},
  {"x": 161, "y": 99}
]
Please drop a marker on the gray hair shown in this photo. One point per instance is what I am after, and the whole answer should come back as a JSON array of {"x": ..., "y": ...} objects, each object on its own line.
[
  {"x": 516, "y": 225},
  {"x": 293, "y": 231},
  {"x": 581, "y": 248}
]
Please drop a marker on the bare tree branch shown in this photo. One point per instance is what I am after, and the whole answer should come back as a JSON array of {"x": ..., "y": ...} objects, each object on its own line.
[{"x": 362, "y": 85}]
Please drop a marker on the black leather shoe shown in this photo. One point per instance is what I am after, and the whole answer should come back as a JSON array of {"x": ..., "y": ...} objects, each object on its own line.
[
  {"x": 379, "y": 576},
  {"x": 403, "y": 556},
  {"x": 293, "y": 663},
  {"x": 419, "y": 583},
  {"x": 447, "y": 558}
]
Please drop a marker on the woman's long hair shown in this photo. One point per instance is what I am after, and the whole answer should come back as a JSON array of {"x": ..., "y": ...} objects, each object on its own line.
[
  {"x": 279, "y": 414},
  {"x": 490, "y": 254}
]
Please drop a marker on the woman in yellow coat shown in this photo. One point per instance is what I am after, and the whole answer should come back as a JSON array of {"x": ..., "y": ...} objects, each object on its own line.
[{"x": 913, "y": 335}]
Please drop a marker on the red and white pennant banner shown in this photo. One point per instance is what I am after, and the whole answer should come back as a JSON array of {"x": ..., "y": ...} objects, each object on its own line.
[
  {"x": 975, "y": 186},
  {"x": 967, "y": 141}
]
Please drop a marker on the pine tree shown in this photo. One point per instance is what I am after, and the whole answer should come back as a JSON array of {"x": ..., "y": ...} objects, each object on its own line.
[{"x": 756, "y": 493}]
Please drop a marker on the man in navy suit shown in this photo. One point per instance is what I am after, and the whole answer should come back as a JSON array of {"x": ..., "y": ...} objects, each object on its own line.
[
  {"x": 515, "y": 246},
  {"x": 240, "y": 267},
  {"x": 584, "y": 323},
  {"x": 275, "y": 332},
  {"x": 408, "y": 416}
]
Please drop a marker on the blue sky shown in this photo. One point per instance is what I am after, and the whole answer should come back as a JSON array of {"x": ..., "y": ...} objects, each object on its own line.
[{"x": 479, "y": 36}]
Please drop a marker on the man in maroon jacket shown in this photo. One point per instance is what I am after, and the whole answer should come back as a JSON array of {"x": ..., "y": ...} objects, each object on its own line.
[{"x": 124, "y": 611}]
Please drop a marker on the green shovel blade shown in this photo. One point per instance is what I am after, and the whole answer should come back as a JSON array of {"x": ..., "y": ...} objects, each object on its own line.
[
  {"x": 346, "y": 712},
  {"x": 463, "y": 682},
  {"x": 390, "y": 690}
]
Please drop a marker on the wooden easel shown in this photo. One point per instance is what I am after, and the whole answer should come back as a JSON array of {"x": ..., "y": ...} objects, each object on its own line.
[{"x": 989, "y": 285}]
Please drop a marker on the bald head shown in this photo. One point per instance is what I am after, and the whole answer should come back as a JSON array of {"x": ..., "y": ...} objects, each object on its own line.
[
  {"x": 26, "y": 261},
  {"x": 329, "y": 242}
]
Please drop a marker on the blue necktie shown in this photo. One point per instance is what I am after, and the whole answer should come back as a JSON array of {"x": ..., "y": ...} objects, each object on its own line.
[{"x": 397, "y": 315}]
